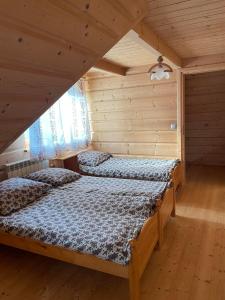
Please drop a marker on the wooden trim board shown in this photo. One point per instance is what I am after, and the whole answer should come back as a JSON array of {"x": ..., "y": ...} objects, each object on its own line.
[
  {"x": 110, "y": 67},
  {"x": 207, "y": 63},
  {"x": 193, "y": 66}
]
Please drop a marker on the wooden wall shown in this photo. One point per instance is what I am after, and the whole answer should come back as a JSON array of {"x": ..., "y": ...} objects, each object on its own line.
[
  {"x": 16, "y": 151},
  {"x": 205, "y": 118},
  {"x": 132, "y": 114},
  {"x": 46, "y": 46}
]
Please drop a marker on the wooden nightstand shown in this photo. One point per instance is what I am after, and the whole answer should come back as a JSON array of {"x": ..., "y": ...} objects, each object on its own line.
[{"x": 69, "y": 161}]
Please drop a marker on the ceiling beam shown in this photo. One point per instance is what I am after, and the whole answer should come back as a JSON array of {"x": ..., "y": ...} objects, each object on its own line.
[
  {"x": 159, "y": 47},
  {"x": 191, "y": 62},
  {"x": 110, "y": 67},
  {"x": 205, "y": 63}
]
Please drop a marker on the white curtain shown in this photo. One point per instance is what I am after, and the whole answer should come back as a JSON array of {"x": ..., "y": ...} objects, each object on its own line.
[{"x": 64, "y": 127}]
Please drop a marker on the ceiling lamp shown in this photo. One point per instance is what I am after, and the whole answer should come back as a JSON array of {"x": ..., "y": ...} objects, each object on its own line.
[{"x": 160, "y": 70}]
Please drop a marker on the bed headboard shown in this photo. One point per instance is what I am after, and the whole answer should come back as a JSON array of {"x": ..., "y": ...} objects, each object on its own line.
[{"x": 23, "y": 167}]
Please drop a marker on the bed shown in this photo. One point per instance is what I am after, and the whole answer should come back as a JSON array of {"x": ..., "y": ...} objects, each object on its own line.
[
  {"x": 132, "y": 213},
  {"x": 101, "y": 164}
]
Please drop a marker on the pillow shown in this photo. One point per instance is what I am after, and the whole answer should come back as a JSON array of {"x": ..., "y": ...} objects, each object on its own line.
[
  {"x": 92, "y": 158},
  {"x": 54, "y": 176},
  {"x": 16, "y": 193}
]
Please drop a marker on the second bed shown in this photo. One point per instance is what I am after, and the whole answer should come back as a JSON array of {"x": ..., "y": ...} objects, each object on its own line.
[{"x": 102, "y": 164}]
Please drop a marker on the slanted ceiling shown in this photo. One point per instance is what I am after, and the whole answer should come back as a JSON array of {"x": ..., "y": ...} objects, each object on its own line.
[
  {"x": 128, "y": 53},
  {"x": 189, "y": 33},
  {"x": 46, "y": 46},
  {"x": 193, "y": 28}
]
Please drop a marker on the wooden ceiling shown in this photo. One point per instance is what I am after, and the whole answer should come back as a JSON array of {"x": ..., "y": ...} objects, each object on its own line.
[
  {"x": 46, "y": 46},
  {"x": 192, "y": 28},
  {"x": 130, "y": 52},
  {"x": 127, "y": 52}
]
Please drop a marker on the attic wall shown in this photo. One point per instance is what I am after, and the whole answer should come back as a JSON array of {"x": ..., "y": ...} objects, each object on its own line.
[
  {"x": 132, "y": 114},
  {"x": 205, "y": 118},
  {"x": 46, "y": 46},
  {"x": 16, "y": 151}
]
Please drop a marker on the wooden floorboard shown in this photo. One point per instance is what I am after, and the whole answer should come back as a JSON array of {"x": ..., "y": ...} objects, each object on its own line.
[{"x": 190, "y": 265}]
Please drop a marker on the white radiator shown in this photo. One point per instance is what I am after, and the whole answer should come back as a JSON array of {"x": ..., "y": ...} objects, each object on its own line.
[{"x": 24, "y": 167}]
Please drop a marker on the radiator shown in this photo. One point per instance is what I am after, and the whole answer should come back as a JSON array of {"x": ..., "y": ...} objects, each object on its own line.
[{"x": 24, "y": 167}]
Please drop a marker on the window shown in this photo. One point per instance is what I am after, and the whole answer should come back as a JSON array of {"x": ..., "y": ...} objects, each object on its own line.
[{"x": 63, "y": 127}]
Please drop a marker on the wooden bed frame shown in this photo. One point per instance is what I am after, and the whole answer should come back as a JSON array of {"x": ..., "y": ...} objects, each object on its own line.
[
  {"x": 141, "y": 248},
  {"x": 176, "y": 177}
]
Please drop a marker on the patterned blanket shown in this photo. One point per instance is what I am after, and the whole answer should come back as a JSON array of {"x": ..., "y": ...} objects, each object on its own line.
[
  {"x": 144, "y": 169},
  {"x": 91, "y": 215}
]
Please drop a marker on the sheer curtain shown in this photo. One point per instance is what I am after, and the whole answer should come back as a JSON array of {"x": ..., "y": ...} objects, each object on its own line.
[{"x": 63, "y": 127}]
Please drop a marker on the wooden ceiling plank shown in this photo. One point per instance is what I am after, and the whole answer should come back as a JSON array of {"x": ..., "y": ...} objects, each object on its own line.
[
  {"x": 110, "y": 67},
  {"x": 83, "y": 15},
  {"x": 23, "y": 28},
  {"x": 129, "y": 53},
  {"x": 28, "y": 46},
  {"x": 193, "y": 19},
  {"x": 108, "y": 15},
  {"x": 147, "y": 35},
  {"x": 183, "y": 8},
  {"x": 54, "y": 36},
  {"x": 192, "y": 28},
  {"x": 34, "y": 69}
]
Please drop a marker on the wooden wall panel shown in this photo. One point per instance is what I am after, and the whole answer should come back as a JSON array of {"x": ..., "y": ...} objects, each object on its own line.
[
  {"x": 46, "y": 46},
  {"x": 14, "y": 152},
  {"x": 205, "y": 118},
  {"x": 132, "y": 115}
]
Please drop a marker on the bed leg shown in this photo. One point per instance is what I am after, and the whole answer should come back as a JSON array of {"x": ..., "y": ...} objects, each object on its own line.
[
  {"x": 134, "y": 278},
  {"x": 160, "y": 241},
  {"x": 160, "y": 230},
  {"x": 173, "y": 213},
  {"x": 134, "y": 285}
]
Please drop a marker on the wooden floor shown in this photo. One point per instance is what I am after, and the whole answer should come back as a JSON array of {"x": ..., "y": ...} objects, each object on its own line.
[{"x": 190, "y": 265}]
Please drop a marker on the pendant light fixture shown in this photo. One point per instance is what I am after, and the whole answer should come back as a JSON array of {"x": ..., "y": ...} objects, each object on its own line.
[{"x": 160, "y": 70}]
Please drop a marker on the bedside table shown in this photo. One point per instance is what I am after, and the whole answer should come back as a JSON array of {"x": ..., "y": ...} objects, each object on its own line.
[{"x": 68, "y": 161}]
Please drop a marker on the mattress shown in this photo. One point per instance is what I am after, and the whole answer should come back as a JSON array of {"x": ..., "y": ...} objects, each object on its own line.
[
  {"x": 130, "y": 168},
  {"x": 91, "y": 215}
]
